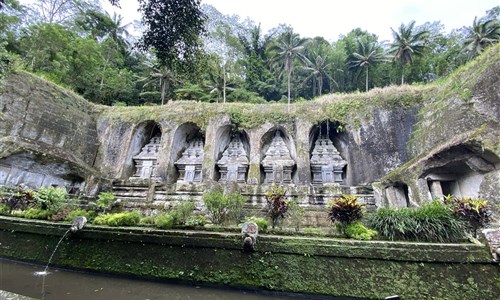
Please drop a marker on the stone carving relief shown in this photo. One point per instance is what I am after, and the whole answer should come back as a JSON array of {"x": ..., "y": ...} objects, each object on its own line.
[
  {"x": 278, "y": 163},
  {"x": 326, "y": 162},
  {"x": 189, "y": 165},
  {"x": 146, "y": 160},
  {"x": 233, "y": 165}
]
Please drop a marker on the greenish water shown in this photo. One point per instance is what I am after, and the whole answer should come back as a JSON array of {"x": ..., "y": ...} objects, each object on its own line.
[{"x": 59, "y": 284}]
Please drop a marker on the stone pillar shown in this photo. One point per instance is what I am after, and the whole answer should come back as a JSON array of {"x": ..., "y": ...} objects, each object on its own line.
[
  {"x": 303, "y": 156},
  {"x": 436, "y": 190},
  {"x": 164, "y": 169}
]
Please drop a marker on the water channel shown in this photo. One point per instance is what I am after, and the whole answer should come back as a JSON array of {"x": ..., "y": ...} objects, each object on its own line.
[{"x": 60, "y": 284}]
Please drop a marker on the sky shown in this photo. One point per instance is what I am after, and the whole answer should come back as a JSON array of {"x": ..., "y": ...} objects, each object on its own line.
[{"x": 329, "y": 18}]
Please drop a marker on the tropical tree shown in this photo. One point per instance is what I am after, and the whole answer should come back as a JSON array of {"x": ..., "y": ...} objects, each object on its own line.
[
  {"x": 407, "y": 44},
  {"x": 368, "y": 54},
  {"x": 173, "y": 29},
  {"x": 480, "y": 35},
  {"x": 161, "y": 76},
  {"x": 318, "y": 66},
  {"x": 289, "y": 46}
]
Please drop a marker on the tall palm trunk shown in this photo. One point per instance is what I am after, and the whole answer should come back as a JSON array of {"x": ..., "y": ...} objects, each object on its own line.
[
  {"x": 162, "y": 87},
  {"x": 366, "y": 83},
  {"x": 224, "y": 83}
]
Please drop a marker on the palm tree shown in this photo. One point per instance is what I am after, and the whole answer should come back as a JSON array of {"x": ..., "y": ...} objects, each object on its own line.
[
  {"x": 289, "y": 46},
  {"x": 480, "y": 35},
  {"x": 407, "y": 44},
  {"x": 369, "y": 54},
  {"x": 161, "y": 75},
  {"x": 118, "y": 31},
  {"x": 317, "y": 66}
]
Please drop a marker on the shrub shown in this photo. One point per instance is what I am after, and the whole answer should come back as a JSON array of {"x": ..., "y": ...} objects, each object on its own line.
[
  {"x": 131, "y": 218},
  {"x": 51, "y": 198},
  {"x": 431, "y": 222},
  {"x": 473, "y": 211},
  {"x": 105, "y": 200},
  {"x": 90, "y": 215},
  {"x": 312, "y": 231},
  {"x": 61, "y": 214},
  {"x": 165, "y": 221},
  {"x": 262, "y": 223},
  {"x": 4, "y": 209},
  {"x": 277, "y": 206},
  {"x": 196, "y": 221},
  {"x": 20, "y": 199},
  {"x": 345, "y": 210},
  {"x": 148, "y": 220},
  {"x": 182, "y": 211},
  {"x": 37, "y": 213},
  {"x": 358, "y": 231},
  {"x": 295, "y": 214},
  {"x": 223, "y": 208}
]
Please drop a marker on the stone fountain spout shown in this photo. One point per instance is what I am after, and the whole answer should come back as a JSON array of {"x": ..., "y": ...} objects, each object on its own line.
[
  {"x": 78, "y": 223},
  {"x": 249, "y": 233}
]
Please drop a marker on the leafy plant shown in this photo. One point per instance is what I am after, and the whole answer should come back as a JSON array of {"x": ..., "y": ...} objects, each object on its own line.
[
  {"x": 20, "y": 199},
  {"x": 358, "y": 231},
  {"x": 51, "y": 198},
  {"x": 431, "y": 222},
  {"x": 182, "y": 211},
  {"x": 262, "y": 223},
  {"x": 295, "y": 214},
  {"x": 196, "y": 221},
  {"x": 105, "y": 200},
  {"x": 223, "y": 208},
  {"x": 473, "y": 211},
  {"x": 277, "y": 206},
  {"x": 37, "y": 213},
  {"x": 165, "y": 221},
  {"x": 130, "y": 218},
  {"x": 4, "y": 209},
  {"x": 345, "y": 210},
  {"x": 147, "y": 220}
]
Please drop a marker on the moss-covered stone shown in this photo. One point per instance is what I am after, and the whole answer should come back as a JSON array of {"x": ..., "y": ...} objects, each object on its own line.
[{"x": 292, "y": 264}]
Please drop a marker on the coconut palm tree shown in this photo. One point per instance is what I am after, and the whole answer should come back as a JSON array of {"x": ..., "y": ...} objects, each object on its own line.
[
  {"x": 480, "y": 35},
  {"x": 318, "y": 66},
  {"x": 369, "y": 54},
  {"x": 161, "y": 75},
  {"x": 288, "y": 47},
  {"x": 407, "y": 44}
]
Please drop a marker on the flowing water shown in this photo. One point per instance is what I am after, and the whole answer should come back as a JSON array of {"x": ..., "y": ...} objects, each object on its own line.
[{"x": 61, "y": 284}]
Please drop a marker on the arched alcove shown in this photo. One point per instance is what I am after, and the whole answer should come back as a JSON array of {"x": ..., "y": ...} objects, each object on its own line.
[
  {"x": 327, "y": 163},
  {"x": 278, "y": 157},
  {"x": 232, "y": 149},
  {"x": 187, "y": 154},
  {"x": 143, "y": 151},
  {"x": 458, "y": 171}
]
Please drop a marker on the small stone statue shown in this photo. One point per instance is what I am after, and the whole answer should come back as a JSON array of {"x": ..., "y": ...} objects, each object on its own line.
[
  {"x": 249, "y": 233},
  {"x": 78, "y": 223}
]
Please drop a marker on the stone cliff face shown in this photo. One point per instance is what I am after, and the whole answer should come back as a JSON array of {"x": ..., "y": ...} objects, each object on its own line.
[
  {"x": 418, "y": 142},
  {"x": 47, "y": 134}
]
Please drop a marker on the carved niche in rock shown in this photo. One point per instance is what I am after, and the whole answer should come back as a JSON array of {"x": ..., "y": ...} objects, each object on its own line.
[
  {"x": 278, "y": 163},
  {"x": 146, "y": 160},
  {"x": 189, "y": 165},
  {"x": 233, "y": 165},
  {"x": 326, "y": 162}
]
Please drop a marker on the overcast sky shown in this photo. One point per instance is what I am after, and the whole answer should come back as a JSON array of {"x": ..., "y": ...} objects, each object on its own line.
[{"x": 329, "y": 19}]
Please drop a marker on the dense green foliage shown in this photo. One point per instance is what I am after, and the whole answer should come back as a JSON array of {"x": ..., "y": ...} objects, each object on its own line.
[
  {"x": 475, "y": 212},
  {"x": 51, "y": 198},
  {"x": 432, "y": 222},
  {"x": 130, "y": 218},
  {"x": 276, "y": 204},
  {"x": 83, "y": 48},
  {"x": 358, "y": 231},
  {"x": 345, "y": 210},
  {"x": 79, "y": 212},
  {"x": 262, "y": 223},
  {"x": 223, "y": 208}
]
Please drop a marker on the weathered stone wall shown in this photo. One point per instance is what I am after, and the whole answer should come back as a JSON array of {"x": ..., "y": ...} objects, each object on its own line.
[
  {"x": 454, "y": 147},
  {"x": 47, "y": 134},
  {"x": 333, "y": 267}
]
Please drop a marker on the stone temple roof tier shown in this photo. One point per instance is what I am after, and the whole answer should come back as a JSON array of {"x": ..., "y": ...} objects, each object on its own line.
[
  {"x": 193, "y": 155},
  {"x": 278, "y": 153}
]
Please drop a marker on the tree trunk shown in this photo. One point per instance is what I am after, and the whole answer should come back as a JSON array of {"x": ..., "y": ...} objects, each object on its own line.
[
  {"x": 366, "y": 70},
  {"x": 162, "y": 91},
  {"x": 224, "y": 83},
  {"x": 289, "y": 75},
  {"x": 402, "y": 75}
]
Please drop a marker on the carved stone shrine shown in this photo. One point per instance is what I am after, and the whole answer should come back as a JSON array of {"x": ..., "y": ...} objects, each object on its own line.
[
  {"x": 146, "y": 160},
  {"x": 189, "y": 165},
  {"x": 233, "y": 165},
  {"x": 277, "y": 163},
  {"x": 326, "y": 162}
]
